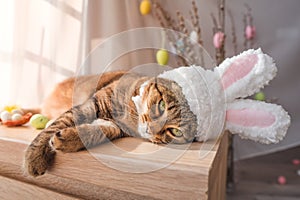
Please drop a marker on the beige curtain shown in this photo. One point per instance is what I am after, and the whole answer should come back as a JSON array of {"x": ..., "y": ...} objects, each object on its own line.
[
  {"x": 108, "y": 19},
  {"x": 44, "y": 41},
  {"x": 44, "y": 47},
  {"x": 49, "y": 40}
]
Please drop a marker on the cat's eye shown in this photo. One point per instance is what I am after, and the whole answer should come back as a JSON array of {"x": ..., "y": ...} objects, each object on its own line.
[
  {"x": 176, "y": 132},
  {"x": 161, "y": 106}
]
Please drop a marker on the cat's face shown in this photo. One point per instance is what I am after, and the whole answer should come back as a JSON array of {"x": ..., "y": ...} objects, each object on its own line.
[{"x": 167, "y": 115}]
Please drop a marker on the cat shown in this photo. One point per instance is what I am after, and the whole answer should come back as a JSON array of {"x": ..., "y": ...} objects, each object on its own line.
[{"x": 99, "y": 108}]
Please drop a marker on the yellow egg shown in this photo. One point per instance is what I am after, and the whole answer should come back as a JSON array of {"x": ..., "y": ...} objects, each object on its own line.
[
  {"x": 38, "y": 121},
  {"x": 145, "y": 7},
  {"x": 162, "y": 57},
  {"x": 17, "y": 111},
  {"x": 11, "y": 108}
]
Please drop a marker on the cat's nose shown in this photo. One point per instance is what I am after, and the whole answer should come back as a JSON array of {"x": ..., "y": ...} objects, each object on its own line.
[{"x": 154, "y": 129}]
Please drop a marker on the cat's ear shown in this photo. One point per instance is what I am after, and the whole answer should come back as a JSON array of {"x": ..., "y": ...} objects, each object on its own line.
[
  {"x": 258, "y": 121},
  {"x": 245, "y": 74}
]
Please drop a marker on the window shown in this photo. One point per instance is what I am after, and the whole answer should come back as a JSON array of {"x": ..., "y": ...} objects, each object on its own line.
[{"x": 41, "y": 44}]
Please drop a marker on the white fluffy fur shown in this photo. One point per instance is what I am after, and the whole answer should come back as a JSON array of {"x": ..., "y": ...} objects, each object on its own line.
[
  {"x": 264, "y": 71},
  {"x": 208, "y": 101},
  {"x": 141, "y": 108},
  {"x": 270, "y": 134},
  {"x": 203, "y": 92}
]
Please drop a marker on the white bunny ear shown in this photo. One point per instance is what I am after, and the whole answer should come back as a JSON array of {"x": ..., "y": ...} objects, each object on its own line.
[
  {"x": 259, "y": 121},
  {"x": 245, "y": 74}
]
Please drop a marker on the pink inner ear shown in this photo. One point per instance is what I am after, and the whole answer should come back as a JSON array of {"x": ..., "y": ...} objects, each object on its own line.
[
  {"x": 239, "y": 69},
  {"x": 249, "y": 117}
]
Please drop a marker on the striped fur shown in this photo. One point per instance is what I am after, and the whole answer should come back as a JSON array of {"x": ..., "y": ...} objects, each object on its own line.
[{"x": 108, "y": 97}]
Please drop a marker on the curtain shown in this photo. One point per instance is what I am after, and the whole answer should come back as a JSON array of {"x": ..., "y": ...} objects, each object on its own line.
[{"x": 45, "y": 41}]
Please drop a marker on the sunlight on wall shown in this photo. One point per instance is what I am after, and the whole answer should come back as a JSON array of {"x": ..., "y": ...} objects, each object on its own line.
[{"x": 6, "y": 47}]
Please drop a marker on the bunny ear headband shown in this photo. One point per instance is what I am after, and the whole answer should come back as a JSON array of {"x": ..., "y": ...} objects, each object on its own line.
[{"x": 215, "y": 98}]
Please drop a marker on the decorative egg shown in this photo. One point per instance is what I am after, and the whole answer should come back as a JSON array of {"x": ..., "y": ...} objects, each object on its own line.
[
  {"x": 162, "y": 57},
  {"x": 194, "y": 37},
  {"x": 5, "y": 116},
  {"x": 17, "y": 111},
  {"x": 296, "y": 162},
  {"x": 260, "y": 96},
  {"x": 180, "y": 45},
  {"x": 145, "y": 7},
  {"x": 38, "y": 121},
  {"x": 49, "y": 123},
  {"x": 173, "y": 49},
  {"x": 11, "y": 108},
  {"x": 218, "y": 39},
  {"x": 250, "y": 32},
  {"x": 281, "y": 180},
  {"x": 16, "y": 117}
]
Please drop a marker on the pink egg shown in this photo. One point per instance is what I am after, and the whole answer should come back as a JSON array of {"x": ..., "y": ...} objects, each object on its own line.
[
  {"x": 250, "y": 32},
  {"x": 296, "y": 161},
  {"x": 218, "y": 39},
  {"x": 281, "y": 180}
]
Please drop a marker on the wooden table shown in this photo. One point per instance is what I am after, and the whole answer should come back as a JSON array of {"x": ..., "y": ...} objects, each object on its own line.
[{"x": 128, "y": 168}]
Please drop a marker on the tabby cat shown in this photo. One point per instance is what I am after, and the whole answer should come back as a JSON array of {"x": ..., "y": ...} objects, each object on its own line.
[{"x": 110, "y": 106}]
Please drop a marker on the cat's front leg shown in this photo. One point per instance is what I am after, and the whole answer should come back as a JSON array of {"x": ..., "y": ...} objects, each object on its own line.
[
  {"x": 39, "y": 155},
  {"x": 73, "y": 139}
]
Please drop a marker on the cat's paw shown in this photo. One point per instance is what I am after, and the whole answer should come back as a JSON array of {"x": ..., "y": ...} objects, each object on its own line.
[
  {"x": 66, "y": 140},
  {"x": 38, "y": 159},
  {"x": 155, "y": 140}
]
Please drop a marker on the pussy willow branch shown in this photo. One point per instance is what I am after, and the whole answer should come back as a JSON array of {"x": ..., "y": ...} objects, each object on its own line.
[
  {"x": 196, "y": 21},
  {"x": 197, "y": 28},
  {"x": 233, "y": 32},
  {"x": 215, "y": 23},
  {"x": 184, "y": 30},
  {"x": 166, "y": 21},
  {"x": 248, "y": 20},
  {"x": 220, "y": 52}
]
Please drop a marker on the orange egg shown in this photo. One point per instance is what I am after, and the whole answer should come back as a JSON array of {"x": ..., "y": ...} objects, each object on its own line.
[{"x": 145, "y": 7}]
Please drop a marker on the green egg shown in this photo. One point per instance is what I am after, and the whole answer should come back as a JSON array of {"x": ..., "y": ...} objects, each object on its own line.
[
  {"x": 162, "y": 57},
  {"x": 260, "y": 96},
  {"x": 38, "y": 121}
]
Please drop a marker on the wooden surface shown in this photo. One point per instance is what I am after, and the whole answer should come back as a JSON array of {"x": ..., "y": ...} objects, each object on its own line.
[
  {"x": 12, "y": 189},
  {"x": 129, "y": 168},
  {"x": 218, "y": 173},
  {"x": 256, "y": 178}
]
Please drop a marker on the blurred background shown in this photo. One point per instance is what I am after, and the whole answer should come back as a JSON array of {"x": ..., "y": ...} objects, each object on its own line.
[{"x": 44, "y": 41}]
